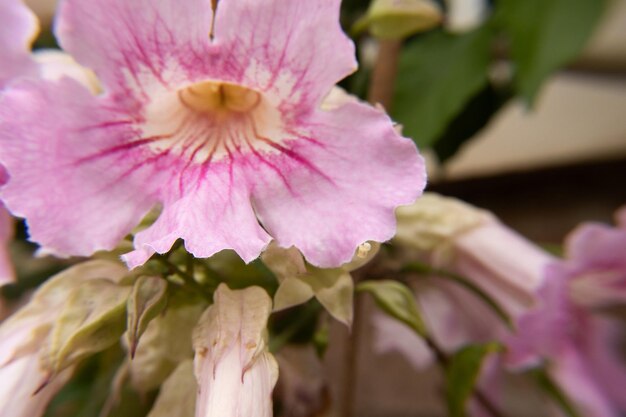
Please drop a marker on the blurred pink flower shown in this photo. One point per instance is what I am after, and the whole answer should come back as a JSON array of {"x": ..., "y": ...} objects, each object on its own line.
[
  {"x": 17, "y": 28},
  {"x": 214, "y": 117},
  {"x": 567, "y": 330},
  {"x": 455, "y": 237},
  {"x": 555, "y": 304}
]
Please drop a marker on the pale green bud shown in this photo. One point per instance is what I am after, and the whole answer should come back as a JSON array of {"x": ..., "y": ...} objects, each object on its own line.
[
  {"x": 166, "y": 342},
  {"x": 147, "y": 300},
  {"x": 25, "y": 331},
  {"x": 433, "y": 222},
  {"x": 92, "y": 319},
  {"x": 399, "y": 19}
]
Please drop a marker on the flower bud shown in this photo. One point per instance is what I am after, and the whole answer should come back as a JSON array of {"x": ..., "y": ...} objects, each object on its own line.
[
  {"x": 398, "y": 19},
  {"x": 166, "y": 343},
  {"x": 25, "y": 331},
  {"x": 235, "y": 372},
  {"x": 471, "y": 242},
  {"x": 465, "y": 15}
]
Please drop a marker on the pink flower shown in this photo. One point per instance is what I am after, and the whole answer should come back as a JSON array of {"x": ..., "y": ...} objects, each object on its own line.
[
  {"x": 461, "y": 239},
  {"x": 580, "y": 344},
  {"x": 216, "y": 118},
  {"x": 18, "y": 26}
]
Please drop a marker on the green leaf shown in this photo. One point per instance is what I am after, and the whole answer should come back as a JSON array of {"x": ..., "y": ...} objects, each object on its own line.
[
  {"x": 553, "y": 390},
  {"x": 462, "y": 373},
  {"x": 474, "y": 117},
  {"x": 147, "y": 300},
  {"x": 438, "y": 74},
  {"x": 397, "y": 300},
  {"x": 545, "y": 35}
]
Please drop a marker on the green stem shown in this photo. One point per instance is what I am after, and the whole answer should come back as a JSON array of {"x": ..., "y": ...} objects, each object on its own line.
[
  {"x": 281, "y": 339},
  {"x": 189, "y": 279},
  {"x": 444, "y": 362},
  {"x": 211, "y": 273}
]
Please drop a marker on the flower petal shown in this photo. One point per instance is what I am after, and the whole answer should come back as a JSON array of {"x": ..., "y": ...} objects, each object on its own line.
[
  {"x": 339, "y": 184},
  {"x": 214, "y": 215},
  {"x": 293, "y": 49},
  {"x": 19, "y": 380},
  {"x": 18, "y": 27},
  {"x": 51, "y": 138},
  {"x": 597, "y": 245},
  {"x": 572, "y": 374},
  {"x": 134, "y": 45}
]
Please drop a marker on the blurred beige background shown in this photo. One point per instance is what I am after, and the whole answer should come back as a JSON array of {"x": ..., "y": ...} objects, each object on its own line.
[{"x": 580, "y": 115}]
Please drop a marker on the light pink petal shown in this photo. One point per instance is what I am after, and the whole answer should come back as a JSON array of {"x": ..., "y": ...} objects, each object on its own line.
[
  {"x": 215, "y": 214},
  {"x": 392, "y": 336},
  {"x": 574, "y": 377},
  {"x": 338, "y": 185},
  {"x": 603, "y": 340},
  {"x": 61, "y": 148},
  {"x": 543, "y": 331},
  {"x": 594, "y": 245},
  {"x": 18, "y": 27},
  {"x": 20, "y": 379},
  {"x": 294, "y": 50},
  {"x": 135, "y": 46},
  {"x": 501, "y": 262}
]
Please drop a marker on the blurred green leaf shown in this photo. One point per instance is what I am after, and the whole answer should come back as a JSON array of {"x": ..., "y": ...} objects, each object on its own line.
[
  {"x": 438, "y": 74},
  {"x": 241, "y": 275},
  {"x": 474, "y": 117},
  {"x": 462, "y": 374},
  {"x": 545, "y": 35},
  {"x": 92, "y": 319},
  {"x": 297, "y": 325},
  {"x": 397, "y": 300}
]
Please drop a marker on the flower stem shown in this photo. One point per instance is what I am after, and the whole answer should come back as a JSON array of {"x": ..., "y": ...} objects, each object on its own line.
[
  {"x": 444, "y": 362},
  {"x": 189, "y": 279},
  {"x": 383, "y": 79}
]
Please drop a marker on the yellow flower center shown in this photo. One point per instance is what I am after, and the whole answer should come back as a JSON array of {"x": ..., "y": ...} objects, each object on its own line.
[
  {"x": 211, "y": 120},
  {"x": 219, "y": 98}
]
